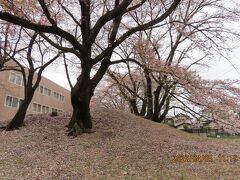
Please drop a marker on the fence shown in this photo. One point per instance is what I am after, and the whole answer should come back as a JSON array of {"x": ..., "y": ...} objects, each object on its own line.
[{"x": 208, "y": 132}]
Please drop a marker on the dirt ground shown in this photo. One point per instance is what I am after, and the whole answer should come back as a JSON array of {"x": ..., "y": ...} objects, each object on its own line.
[{"x": 123, "y": 147}]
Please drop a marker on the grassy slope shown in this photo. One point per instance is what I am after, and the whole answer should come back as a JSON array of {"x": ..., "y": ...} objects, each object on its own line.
[{"x": 123, "y": 147}]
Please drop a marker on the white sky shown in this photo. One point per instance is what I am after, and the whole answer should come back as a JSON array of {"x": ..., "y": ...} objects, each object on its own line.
[
  {"x": 223, "y": 68},
  {"x": 220, "y": 69},
  {"x": 57, "y": 74}
]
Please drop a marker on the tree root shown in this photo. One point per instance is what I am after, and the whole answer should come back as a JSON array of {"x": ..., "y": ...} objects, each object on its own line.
[{"x": 77, "y": 130}]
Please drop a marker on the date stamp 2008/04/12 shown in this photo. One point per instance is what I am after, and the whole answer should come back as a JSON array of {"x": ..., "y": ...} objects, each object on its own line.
[{"x": 183, "y": 158}]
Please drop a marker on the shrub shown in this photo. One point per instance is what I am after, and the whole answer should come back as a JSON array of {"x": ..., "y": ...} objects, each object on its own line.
[{"x": 54, "y": 113}]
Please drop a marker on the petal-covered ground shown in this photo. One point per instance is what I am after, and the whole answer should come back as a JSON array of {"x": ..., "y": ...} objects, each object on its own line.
[{"x": 123, "y": 147}]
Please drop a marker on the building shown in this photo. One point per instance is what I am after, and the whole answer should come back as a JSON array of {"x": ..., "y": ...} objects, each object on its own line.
[
  {"x": 202, "y": 128},
  {"x": 48, "y": 97},
  {"x": 180, "y": 121}
]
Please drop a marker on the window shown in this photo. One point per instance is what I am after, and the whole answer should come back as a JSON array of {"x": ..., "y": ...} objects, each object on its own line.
[
  {"x": 12, "y": 77},
  {"x": 49, "y": 92},
  {"x": 47, "y": 109},
  {"x": 39, "y": 108},
  {"x": 19, "y": 79},
  {"x": 61, "y": 98},
  {"x": 41, "y": 89},
  {"x": 34, "y": 107},
  {"x": 12, "y": 101},
  {"x": 16, "y": 78},
  {"x": 15, "y": 102},
  {"x": 43, "y": 109},
  {"x": 45, "y": 91},
  {"x": 8, "y": 101},
  {"x": 58, "y": 96}
]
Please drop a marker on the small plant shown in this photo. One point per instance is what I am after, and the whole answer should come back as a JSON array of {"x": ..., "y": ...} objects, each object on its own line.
[{"x": 54, "y": 113}]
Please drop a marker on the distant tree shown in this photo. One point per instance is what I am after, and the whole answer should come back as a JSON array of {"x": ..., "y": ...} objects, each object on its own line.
[
  {"x": 212, "y": 101},
  {"x": 28, "y": 54},
  {"x": 81, "y": 24},
  {"x": 109, "y": 96},
  {"x": 160, "y": 63},
  {"x": 206, "y": 101}
]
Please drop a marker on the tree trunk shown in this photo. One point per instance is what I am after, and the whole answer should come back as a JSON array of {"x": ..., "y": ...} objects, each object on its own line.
[
  {"x": 156, "y": 112},
  {"x": 149, "y": 94},
  {"x": 133, "y": 106},
  {"x": 81, "y": 95},
  {"x": 18, "y": 119},
  {"x": 165, "y": 112},
  {"x": 143, "y": 108}
]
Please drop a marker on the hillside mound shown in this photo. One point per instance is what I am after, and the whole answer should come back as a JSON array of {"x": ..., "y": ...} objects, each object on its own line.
[{"x": 123, "y": 147}]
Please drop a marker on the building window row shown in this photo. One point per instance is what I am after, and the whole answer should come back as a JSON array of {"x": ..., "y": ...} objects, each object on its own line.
[
  {"x": 58, "y": 96},
  {"x": 39, "y": 108},
  {"x": 11, "y": 101},
  {"x": 16, "y": 78},
  {"x": 15, "y": 102},
  {"x": 47, "y": 92},
  {"x": 43, "y": 90}
]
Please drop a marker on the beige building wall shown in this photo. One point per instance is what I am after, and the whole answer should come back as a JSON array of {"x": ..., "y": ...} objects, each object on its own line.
[{"x": 48, "y": 97}]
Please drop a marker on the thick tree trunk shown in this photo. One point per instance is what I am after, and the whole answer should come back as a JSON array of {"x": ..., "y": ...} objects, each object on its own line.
[
  {"x": 149, "y": 94},
  {"x": 18, "y": 119},
  {"x": 155, "y": 116},
  {"x": 156, "y": 112},
  {"x": 81, "y": 95}
]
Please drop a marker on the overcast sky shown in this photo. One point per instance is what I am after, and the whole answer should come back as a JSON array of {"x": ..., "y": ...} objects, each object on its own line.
[
  {"x": 57, "y": 74},
  {"x": 220, "y": 68},
  {"x": 224, "y": 69}
]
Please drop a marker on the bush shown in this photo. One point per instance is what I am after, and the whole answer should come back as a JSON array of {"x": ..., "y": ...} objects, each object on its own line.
[{"x": 54, "y": 113}]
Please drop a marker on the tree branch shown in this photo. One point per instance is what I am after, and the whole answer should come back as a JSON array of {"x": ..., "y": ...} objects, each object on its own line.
[
  {"x": 136, "y": 29},
  {"x": 41, "y": 28},
  {"x": 47, "y": 13}
]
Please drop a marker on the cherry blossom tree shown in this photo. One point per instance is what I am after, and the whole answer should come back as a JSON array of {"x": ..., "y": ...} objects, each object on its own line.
[
  {"x": 158, "y": 72},
  {"x": 211, "y": 101},
  {"x": 80, "y": 24}
]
